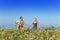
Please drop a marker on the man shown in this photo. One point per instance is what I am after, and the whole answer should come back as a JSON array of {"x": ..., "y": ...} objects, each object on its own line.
[{"x": 20, "y": 23}]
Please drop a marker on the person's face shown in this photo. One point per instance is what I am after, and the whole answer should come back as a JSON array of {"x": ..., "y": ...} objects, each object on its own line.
[
  {"x": 22, "y": 18},
  {"x": 35, "y": 19}
]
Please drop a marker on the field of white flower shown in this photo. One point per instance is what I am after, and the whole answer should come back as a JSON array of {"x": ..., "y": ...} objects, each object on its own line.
[{"x": 29, "y": 34}]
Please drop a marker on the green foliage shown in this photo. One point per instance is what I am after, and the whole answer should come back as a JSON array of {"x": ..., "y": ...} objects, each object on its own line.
[{"x": 30, "y": 34}]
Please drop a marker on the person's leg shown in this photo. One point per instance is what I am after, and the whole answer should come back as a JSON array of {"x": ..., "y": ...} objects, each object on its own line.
[{"x": 19, "y": 28}]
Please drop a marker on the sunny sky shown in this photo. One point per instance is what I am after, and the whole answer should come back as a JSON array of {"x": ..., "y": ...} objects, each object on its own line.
[{"x": 46, "y": 11}]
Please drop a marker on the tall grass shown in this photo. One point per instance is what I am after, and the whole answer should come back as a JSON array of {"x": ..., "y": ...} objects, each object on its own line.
[{"x": 30, "y": 34}]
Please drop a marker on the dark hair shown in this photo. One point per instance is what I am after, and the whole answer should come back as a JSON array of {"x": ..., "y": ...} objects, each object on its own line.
[{"x": 21, "y": 17}]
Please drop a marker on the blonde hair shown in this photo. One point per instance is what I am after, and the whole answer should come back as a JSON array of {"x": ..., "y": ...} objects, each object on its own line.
[{"x": 35, "y": 19}]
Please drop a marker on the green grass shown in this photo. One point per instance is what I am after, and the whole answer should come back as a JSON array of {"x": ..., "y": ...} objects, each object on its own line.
[{"x": 29, "y": 34}]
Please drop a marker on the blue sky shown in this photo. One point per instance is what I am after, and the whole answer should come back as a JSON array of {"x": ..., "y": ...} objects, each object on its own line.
[{"x": 46, "y": 11}]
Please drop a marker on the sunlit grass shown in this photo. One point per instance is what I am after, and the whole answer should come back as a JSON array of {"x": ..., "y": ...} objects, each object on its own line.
[{"x": 30, "y": 34}]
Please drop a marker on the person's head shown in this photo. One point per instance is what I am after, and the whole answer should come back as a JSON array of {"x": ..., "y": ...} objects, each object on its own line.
[
  {"x": 21, "y": 18},
  {"x": 35, "y": 19}
]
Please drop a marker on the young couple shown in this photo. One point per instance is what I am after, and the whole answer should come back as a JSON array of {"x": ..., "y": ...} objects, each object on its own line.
[{"x": 20, "y": 23}]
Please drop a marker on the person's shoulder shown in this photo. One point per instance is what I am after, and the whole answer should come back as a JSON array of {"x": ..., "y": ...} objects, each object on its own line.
[{"x": 17, "y": 20}]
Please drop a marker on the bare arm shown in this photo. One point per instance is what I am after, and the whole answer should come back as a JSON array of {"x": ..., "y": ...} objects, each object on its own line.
[
  {"x": 30, "y": 25},
  {"x": 39, "y": 25},
  {"x": 24, "y": 23},
  {"x": 17, "y": 22}
]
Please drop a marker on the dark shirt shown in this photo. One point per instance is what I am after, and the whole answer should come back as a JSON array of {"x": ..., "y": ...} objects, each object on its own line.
[{"x": 34, "y": 25}]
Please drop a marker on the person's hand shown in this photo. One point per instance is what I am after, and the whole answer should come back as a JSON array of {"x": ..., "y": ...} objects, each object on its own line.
[
  {"x": 15, "y": 22},
  {"x": 29, "y": 25}
]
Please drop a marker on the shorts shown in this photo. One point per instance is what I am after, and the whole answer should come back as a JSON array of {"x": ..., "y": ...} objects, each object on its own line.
[{"x": 20, "y": 26}]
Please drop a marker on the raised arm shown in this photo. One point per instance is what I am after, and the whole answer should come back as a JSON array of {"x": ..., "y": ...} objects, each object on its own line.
[
  {"x": 30, "y": 25},
  {"x": 39, "y": 25},
  {"x": 24, "y": 23},
  {"x": 17, "y": 22}
]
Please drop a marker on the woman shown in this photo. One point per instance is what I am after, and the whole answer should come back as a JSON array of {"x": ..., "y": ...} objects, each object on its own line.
[{"x": 34, "y": 23}]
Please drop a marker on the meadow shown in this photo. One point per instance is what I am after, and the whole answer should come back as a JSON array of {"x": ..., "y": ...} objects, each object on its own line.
[{"x": 50, "y": 33}]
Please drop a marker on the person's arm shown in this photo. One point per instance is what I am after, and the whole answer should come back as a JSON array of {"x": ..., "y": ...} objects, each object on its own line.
[
  {"x": 39, "y": 25},
  {"x": 30, "y": 25},
  {"x": 17, "y": 22},
  {"x": 24, "y": 23}
]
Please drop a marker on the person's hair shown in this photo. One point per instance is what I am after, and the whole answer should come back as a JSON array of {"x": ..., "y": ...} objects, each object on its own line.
[
  {"x": 21, "y": 17},
  {"x": 35, "y": 18}
]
